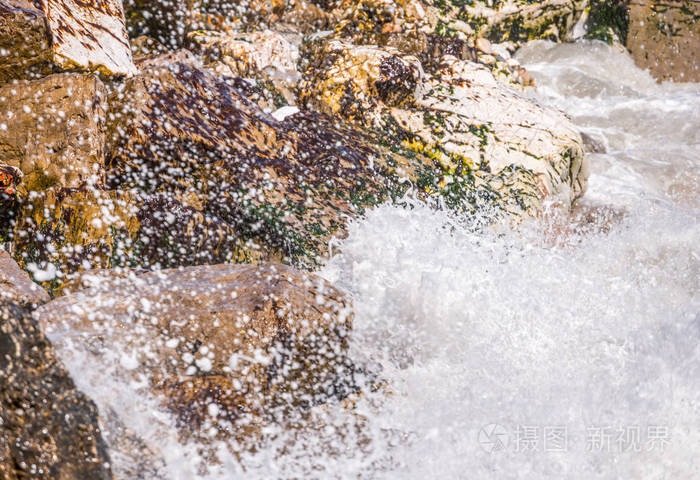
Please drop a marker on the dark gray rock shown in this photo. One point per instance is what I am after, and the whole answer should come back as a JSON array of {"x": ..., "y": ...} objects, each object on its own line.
[{"x": 48, "y": 429}]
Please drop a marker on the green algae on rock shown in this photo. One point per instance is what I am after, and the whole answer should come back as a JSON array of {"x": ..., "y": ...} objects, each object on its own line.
[
  {"x": 459, "y": 117},
  {"x": 282, "y": 186}
]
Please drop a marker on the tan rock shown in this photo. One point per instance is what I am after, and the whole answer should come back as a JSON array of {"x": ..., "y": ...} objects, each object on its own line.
[
  {"x": 266, "y": 56},
  {"x": 664, "y": 36},
  {"x": 248, "y": 338},
  {"x": 68, "y": 33},
  {"x": 52, "y": 129},
  {"x": 91, "y": 35},
  {"x": 250, "y": 52},
  {"x": 460, "y": 116},
  {"x": 25, "y": 45},
  {"x": 16, "y": 286},
  {"x": 483, "y": 45}
]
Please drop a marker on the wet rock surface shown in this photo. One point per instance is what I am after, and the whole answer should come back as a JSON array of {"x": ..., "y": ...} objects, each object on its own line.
[
  {"x": 48, "y": 428},
  {"x": 41, "y": 35},
  {"x": 16, "y": 286},
  {"x": 249, "y": 340},
  {"x": 52, "y": 129},
  {"x": 24, "y": 40},
  {"x": 664, "y": 36},
  {"x": 189, "y": 161},
  {"x": 460, "y": 116},
  {"x": 274, "y": 189}
]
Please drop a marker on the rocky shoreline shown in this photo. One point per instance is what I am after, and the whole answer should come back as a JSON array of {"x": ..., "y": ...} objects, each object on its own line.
[{"x": 185, "y": 165}]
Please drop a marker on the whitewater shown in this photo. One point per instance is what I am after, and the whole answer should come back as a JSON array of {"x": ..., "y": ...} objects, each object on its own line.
[{"x": 567, "y": 347}]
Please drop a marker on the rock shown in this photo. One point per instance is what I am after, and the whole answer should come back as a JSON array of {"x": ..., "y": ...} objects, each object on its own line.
[
  {"x": 359, "y": 22},
  {"x": 483, "y": 45},
  {"x": 607, "y": 20},
  {"x": 305, "y": 16},
  {"x": 169, "y": 21},
  {"x": 52, "y": 129},
  {"x": 66, "y": 33},
  {"x": 266, "y": 56},
  {"x": 25, "y": 44},
  {"x": 16, "y": 286},
  {"x": 664, "y": 36},
  {"x": 249, "y": 53},
  {"x": 460, "y": 116},
  {"x": 48, "y": 429},
  {"x": 281, "y": 188},
  {"x": 250, "y": 339},
  {"x": 514, "y": 20}
]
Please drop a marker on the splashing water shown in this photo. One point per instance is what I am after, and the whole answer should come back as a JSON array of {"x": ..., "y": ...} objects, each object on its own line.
[
  {"x": 516, "y": 355},
  {"x": 507, "y": 359}
]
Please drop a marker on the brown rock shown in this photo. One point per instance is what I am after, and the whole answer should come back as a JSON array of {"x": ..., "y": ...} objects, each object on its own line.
[
  {"x": 24, "y": 41},
  {"x": 283, "y": 187},
  {"x": 66, "y": 33},
  {"x": 169, "y": 21},
  {"x": 16, "y": 286},
  {"x": 664, "y": 36},
  {"x": 250, "y": 339},
  {"x": 48, "y": 429},
  {"x": 52, "y": 129}
]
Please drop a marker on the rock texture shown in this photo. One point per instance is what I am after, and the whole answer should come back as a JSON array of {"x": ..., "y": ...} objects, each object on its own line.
[
  {"x": 16, "y": 286},
  {"x": 52, "y": 129},
  {"x": 25, "y": 44},
  {"x": 89, "y": 35},
  {"x": 48, "y": 429},
  {"x": 180, "y": 134},
  {"x": 664, "y": 36},
  {"x": 67, "y": 33},
  {"x": 460, "y": 116},
  {"x": 169, "y": 21},
  {"x": 267, "y": 56},
  {"x": 511, "y": 20},
  {"x": 249, "y": 339}
]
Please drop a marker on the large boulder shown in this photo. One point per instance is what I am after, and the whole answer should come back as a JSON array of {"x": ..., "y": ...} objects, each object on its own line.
[
  {"x": 48, "y": 429},
  {"x": 16, "y": 286},
  {"x": 459, "y": 115},
  {"x": 281, "y": 189},
  {"x": 52, "y": 129},
  {"x": 39, "y": 34},
  {"x": 249, "y": 340},
  {"x": 25, "y": 43}
]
